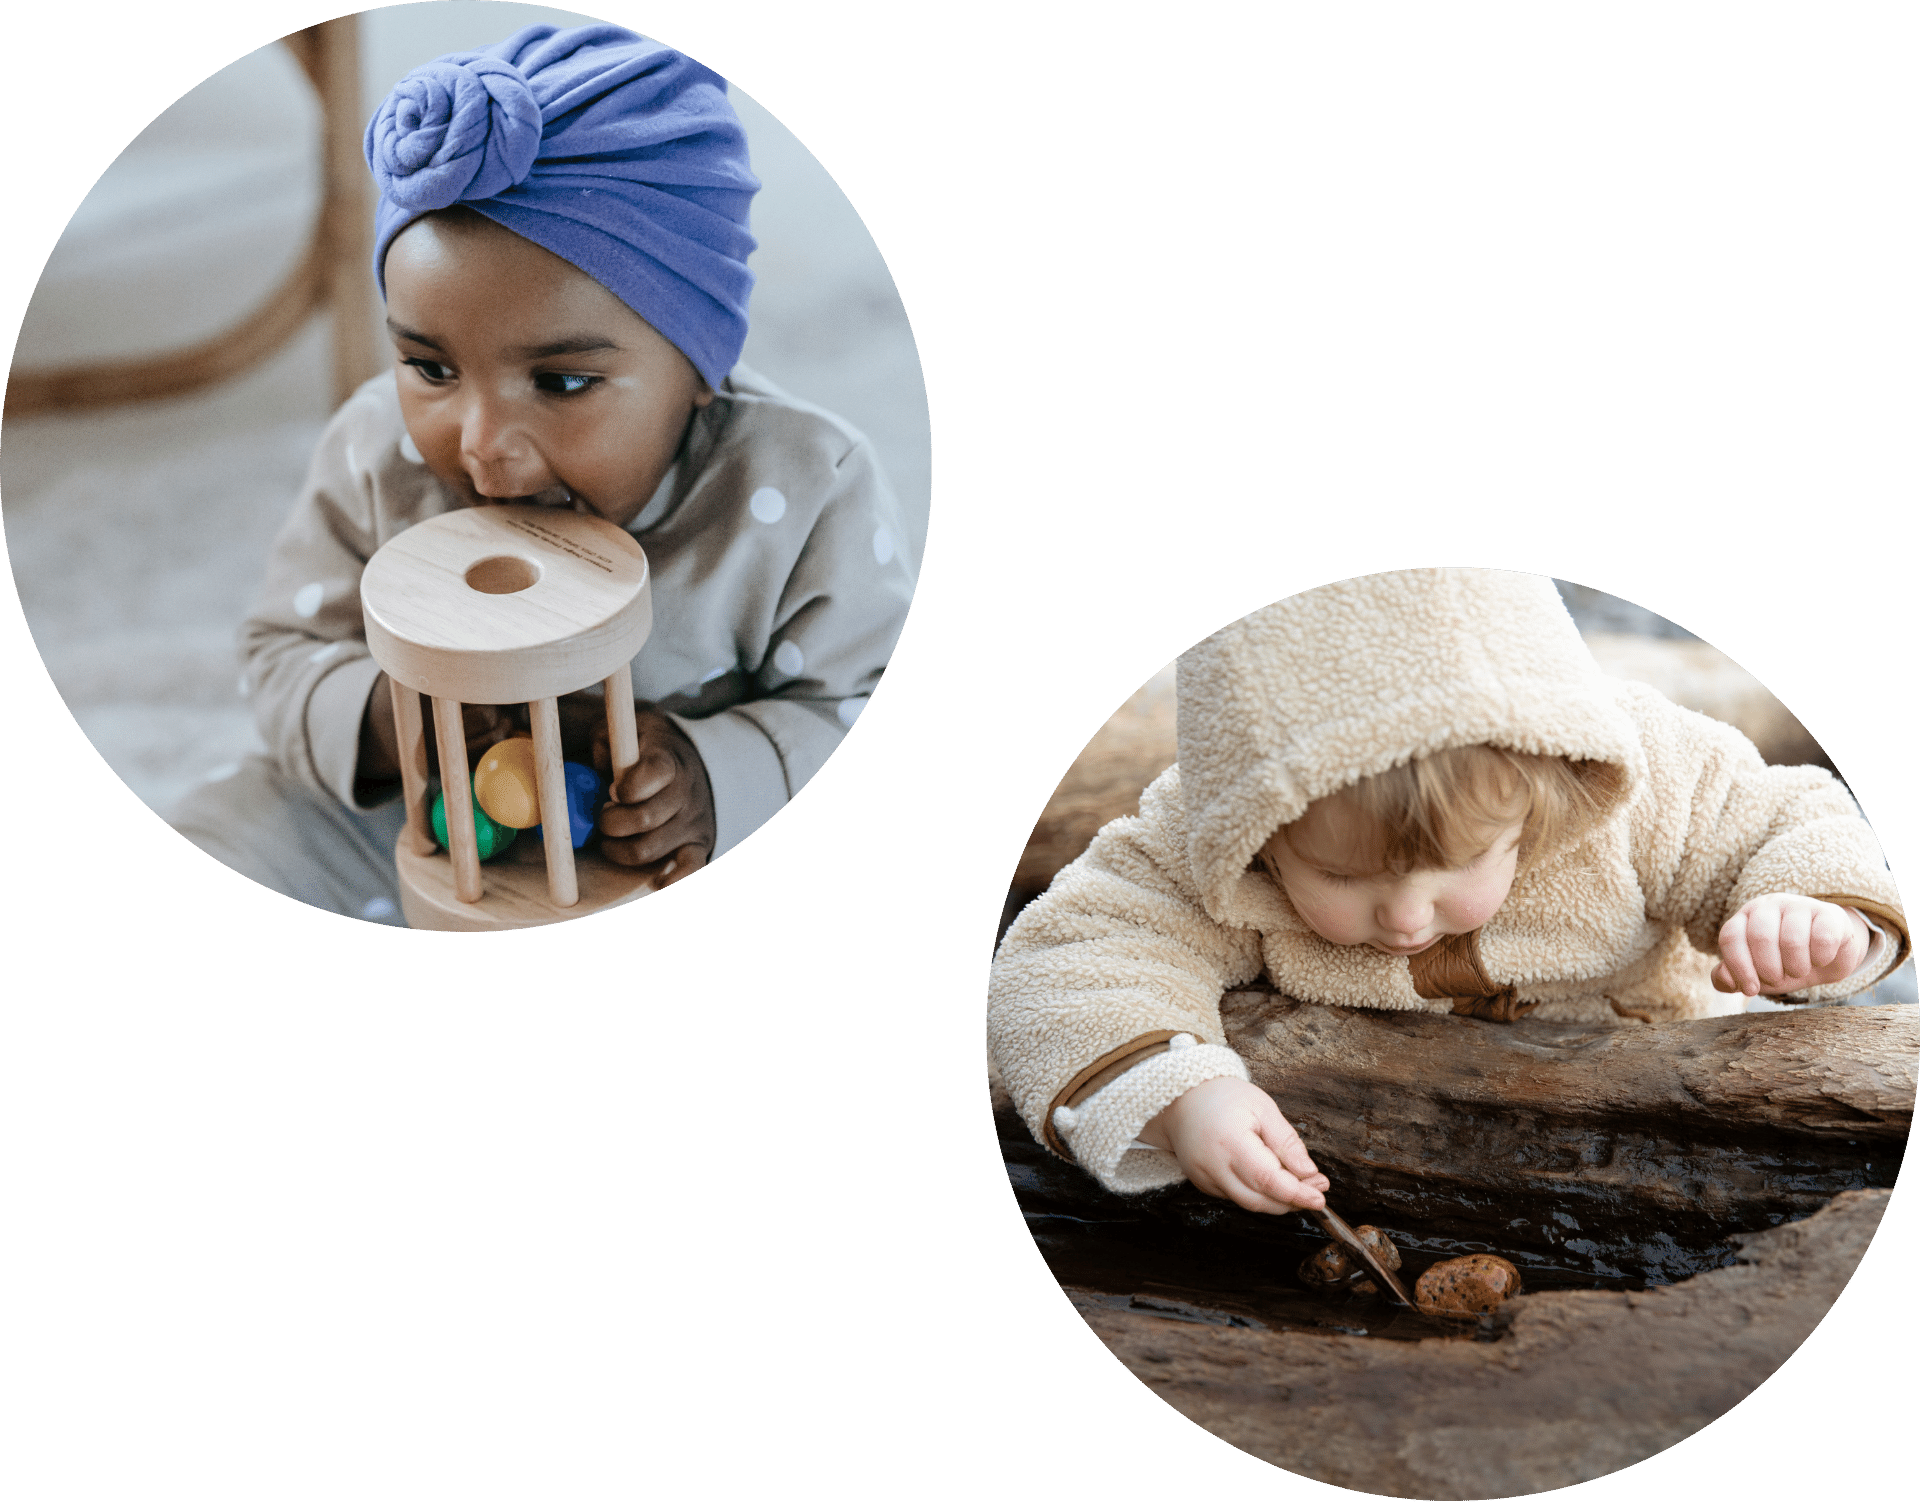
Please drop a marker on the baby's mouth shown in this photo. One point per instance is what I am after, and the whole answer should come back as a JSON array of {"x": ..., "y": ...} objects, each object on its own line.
[
  {"x": 554, "y": 498},
  {"x": 1405, "y": 949}
]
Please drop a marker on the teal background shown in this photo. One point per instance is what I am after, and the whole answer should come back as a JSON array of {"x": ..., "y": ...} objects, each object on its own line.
[{"x": 1214, "y": 306}]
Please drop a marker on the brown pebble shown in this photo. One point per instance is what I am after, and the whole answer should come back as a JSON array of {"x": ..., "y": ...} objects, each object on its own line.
[
  {"x": 1327, "y": 1267},
  {"x": 1467, "y": 1285},
  {"x": 1333, "y": 1265}
]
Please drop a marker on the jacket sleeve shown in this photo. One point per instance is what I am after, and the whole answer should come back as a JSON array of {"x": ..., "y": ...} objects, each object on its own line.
[
  {"x": 1105, "y": 996},
  {"x": 1717, "y": 827},
  {"x": 305, "y": 664},
  {"x": 838, "y": 615}
]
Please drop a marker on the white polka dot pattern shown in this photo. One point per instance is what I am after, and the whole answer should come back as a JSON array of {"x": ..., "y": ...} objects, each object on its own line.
[
  {"x": 327, "y": 653},
  {"x": 378, "y": 909},
  {"x": 849, "y": 710},
  {"x": 306, "y": 603},
  {"x": 789, "y": 659},
  {"x": 882, "y": 545},
  {"x": 767, "y": 505}
]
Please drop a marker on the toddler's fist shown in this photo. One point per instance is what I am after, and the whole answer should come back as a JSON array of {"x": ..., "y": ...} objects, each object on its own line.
[
  {"x": 661, "y": 814},
  {"x": 1779, "y": 944}
]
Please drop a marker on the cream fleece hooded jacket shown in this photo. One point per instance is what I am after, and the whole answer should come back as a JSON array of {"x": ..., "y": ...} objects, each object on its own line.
[{"x": 1104, "y": 1004}]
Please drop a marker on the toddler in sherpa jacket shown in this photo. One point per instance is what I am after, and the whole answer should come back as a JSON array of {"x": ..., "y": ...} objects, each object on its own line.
[{"x": 1413, "y": 791}]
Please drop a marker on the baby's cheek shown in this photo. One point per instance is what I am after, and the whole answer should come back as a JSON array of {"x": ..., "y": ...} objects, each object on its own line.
[{"x": 1333, "y": 921}]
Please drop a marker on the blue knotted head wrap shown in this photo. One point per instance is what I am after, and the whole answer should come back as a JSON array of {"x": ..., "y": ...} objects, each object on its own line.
[{"x": 617, "y": 154}]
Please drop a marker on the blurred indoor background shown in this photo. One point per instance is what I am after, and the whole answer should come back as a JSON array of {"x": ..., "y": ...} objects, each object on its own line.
[{"x": 137, "y": 531}]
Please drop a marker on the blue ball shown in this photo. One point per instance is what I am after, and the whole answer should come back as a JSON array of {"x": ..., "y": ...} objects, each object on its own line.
[{"x": 586, "y": 791}]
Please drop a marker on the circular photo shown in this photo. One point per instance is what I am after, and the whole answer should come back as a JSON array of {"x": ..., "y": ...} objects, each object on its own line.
[
  {"x": 465, "y": 467},
  {"x": 1452, "y": 1034}
]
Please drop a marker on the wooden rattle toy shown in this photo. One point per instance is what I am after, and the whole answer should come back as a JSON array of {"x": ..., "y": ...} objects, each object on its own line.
[{"x": 505, "y": 605}]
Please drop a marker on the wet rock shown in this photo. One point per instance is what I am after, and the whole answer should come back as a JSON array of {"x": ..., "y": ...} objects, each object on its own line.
[
  {"x": 1477, "y": 1284},
  {"x": 1333, "y": 1266}
]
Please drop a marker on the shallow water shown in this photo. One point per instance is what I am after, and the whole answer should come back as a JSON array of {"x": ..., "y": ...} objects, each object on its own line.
[{"x": 1183, "y": 1255}]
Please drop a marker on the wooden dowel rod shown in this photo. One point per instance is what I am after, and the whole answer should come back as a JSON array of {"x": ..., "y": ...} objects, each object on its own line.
[
  {"x": 623, "y": 735},
  {"x": 413, "y": 766},
  {"x": 457, "y": 789},
  {"x": 556, "y": 828}
]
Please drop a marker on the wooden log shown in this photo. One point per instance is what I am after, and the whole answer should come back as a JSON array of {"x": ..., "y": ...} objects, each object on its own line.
[
  {"x": 1574, "y": 1386},
  {"x": 1687, "y": 1200},
  {"x": 1635, "y": 1148}
]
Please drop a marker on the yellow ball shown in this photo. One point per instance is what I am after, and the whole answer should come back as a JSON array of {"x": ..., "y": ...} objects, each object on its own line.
[{"x": 504, "y": 784}]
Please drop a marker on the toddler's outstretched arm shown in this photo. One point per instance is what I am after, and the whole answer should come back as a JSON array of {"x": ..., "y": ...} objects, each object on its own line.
[
  {"x": 1234, "y": 1144},
  {"x": 1780, "y": 944}
]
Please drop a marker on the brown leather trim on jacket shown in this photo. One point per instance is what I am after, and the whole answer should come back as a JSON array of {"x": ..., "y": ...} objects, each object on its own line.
[
  {"x": 1103, "y": 1070},
  {"x": 1886, "y": 917},
  {"x": 1451, "y": 971}
]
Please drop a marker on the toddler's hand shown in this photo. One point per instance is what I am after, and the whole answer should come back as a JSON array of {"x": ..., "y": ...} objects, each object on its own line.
[
  {"x": 661, "y": 816},
  {"x": 1233, "y": 1143},
  {"x": 1780, "y": 943}
]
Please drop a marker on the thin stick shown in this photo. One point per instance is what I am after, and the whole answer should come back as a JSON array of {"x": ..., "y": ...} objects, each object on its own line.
[
  {"x": 457, "y": 790},
  {"x": 623, "y": 735},
  {"x": 556, "y": 828},
  {"x": 413, "y": 766}
]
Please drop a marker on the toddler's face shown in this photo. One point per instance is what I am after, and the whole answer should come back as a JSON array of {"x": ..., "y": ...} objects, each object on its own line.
[
  {"x": 523, "y": 379},
  {"x": 1330, "y": 864}
]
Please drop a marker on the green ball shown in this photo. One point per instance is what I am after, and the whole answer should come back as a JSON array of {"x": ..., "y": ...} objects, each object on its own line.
[{"x": 492, "y": 838}]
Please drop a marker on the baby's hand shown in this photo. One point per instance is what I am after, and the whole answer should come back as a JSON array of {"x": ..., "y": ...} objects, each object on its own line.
[
  {"x": 661, "y": 816},
  {"x": 1233, "y": 1143},
  {"x": 1779, "y": 943}
]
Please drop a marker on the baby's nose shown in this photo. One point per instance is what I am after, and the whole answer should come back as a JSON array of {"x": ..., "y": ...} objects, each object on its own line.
[
  {"x": 1406, "y": 910},
  {"x": 499, "y": 457}
]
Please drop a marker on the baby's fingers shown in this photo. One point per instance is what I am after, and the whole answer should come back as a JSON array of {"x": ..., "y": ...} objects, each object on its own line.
[
  {"x": 1278, "y": 1134},
  {"x": 1793, "y": 947},
  {"x": 653, "y": 772},
  {"x": 1272, "y": 1182},
  {"x": 1828, "y": 935},
  {"x": 1735, "y": 957}
]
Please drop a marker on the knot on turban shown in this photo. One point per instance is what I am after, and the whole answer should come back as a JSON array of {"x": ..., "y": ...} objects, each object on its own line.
[
  {"x": 617, "y": 154},
  {"x": 463, "y": 126}
]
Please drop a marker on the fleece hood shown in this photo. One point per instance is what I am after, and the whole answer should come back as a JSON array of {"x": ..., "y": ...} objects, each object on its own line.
[{"x": 1306, "y": 696}]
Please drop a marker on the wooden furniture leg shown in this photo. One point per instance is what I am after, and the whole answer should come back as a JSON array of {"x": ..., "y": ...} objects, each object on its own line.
[
  {"x": 556, "y": 827},
  {"x": 413, "y": 766},
  {"x": 456, "y": 788},
  {"x": 623, "y": 735}
]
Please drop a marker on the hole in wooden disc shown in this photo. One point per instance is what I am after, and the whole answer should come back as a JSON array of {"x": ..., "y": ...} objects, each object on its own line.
[{"x": 504, "y": 575}]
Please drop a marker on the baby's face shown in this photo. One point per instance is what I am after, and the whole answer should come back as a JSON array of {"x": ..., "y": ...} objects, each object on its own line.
[
  {"x": 523, "y": 379},
  {"x": 1329, "y": 862}
]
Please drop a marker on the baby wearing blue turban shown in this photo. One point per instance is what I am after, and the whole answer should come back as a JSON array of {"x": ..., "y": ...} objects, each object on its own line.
[
  {"x": 617, "y": 154},
  {"x": 775, "y": 546}
]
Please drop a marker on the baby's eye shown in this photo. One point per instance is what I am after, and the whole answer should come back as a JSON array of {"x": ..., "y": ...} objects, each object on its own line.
[
  {"x": 1334, "y": 878},
  {"x": 432, "y": 370},
  {"x": 558, "y": 383}
]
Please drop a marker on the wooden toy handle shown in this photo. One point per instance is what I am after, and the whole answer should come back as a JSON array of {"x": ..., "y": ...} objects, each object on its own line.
[
  {"x": 623, "y": 734},
  {"x": 413, "y": 766},
  {"x": 556, "y": 825},
  {"x": 457, "y": 791}
]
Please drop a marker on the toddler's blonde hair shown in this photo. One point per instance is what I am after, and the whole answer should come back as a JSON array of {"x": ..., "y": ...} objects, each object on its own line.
[{"x": 1436, "y": 812}]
